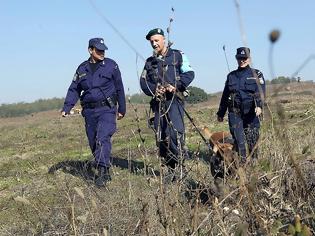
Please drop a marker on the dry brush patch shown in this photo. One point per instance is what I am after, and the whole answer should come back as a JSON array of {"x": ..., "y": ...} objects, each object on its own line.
[{"x": 264, "y": 197}]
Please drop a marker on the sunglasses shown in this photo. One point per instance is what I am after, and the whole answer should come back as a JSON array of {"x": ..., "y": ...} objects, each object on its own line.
[{"x": 242, "y": 58}]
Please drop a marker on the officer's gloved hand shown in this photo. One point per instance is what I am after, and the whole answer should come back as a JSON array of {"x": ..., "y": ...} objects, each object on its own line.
[{"x": 258, "y": 111}]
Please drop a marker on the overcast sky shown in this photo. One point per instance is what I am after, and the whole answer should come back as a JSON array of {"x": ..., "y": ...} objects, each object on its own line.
[{"x": 43, "y": 41}]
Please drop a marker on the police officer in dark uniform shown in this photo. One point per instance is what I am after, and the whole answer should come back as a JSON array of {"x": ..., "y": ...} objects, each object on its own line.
[
  {"x": 166, "y": 75},
  {"x": 97, "y": 83},
  {"x": 243, "y": 97}
]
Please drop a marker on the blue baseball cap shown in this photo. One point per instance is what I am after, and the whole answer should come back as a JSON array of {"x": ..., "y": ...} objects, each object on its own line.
[
  {"x": 97, "y": 43},
  {"x": 242, "y": 53}
]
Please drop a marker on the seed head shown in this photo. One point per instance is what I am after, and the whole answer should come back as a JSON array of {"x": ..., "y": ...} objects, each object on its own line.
[{"x": 274, "y": 36}]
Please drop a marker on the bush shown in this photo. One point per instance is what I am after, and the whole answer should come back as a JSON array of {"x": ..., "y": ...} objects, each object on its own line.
[
  {"x": 283, "y": 80},
  {"x": 196, "y": 95}
]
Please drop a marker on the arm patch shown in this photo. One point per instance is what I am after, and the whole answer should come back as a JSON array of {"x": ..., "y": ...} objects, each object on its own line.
[
  {"x": 75, "y": 76},
  {"x": 260, "y": 77},
  {"x": 185, "y": 67},
  {"x": 144, "y": 74}
]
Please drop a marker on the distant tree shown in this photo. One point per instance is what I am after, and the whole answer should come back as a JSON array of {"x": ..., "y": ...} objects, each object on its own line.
[
  {"x": 196, "y": 95},
  {"x": 283, "y": 80},
  {"x": 139, "y": 98}
]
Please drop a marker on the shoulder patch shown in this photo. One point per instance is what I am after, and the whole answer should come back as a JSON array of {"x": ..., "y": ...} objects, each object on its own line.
[
  {"x": 185, "y": 67},
  {"x": 81, "y": 75},
  {"x": 78, "y": 76},
  {"x": 258, "y": 73},
  {"x": 144, "y": 74},
  {"x": 260, "y": 76}
]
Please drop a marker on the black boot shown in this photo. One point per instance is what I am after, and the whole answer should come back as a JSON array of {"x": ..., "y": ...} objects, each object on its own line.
[
  {"x": 243, "y": 160},
  {"x": 103, "y": 176}
]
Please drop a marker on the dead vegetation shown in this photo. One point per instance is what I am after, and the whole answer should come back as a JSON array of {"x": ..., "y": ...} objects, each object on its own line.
[{"x": 46, "y": 188}]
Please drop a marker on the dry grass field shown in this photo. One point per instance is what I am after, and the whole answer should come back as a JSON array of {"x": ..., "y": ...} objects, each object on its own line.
[{"x": 45, "y": 188}]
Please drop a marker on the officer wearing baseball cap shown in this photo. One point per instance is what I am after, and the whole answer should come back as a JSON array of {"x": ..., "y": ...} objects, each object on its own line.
[
  {"x": 97, "y": 43},
  {"x": 243, "y": 97},
  {"x": 242, "y": 52},
  {"x": 97, "y": 83}
]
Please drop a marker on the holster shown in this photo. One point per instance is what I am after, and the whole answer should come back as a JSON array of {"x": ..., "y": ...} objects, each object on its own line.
[{"x": 110, "y": 101}]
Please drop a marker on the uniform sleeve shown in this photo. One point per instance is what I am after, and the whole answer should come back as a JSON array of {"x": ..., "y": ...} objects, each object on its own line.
[
  {"x": 147, "y": 85},
  {"x": 224, "y": 101},
  {"x": 186, "y": 74},
  {"x": 73, "y": 94},
  {"x": 119, "y": 91},
  {"x": 261, "y": 93}
]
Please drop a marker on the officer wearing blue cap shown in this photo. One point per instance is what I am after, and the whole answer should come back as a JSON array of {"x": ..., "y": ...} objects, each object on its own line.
[
  {"x": 97, "y": 83},
  {"x": 243, "y": 97},
  {"x": 97, "y": 43},
  {"x": 166, "y": 75}
]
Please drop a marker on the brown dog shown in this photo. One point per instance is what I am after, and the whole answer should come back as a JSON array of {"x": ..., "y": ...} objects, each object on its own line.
[{"x": 223, "y": 150}]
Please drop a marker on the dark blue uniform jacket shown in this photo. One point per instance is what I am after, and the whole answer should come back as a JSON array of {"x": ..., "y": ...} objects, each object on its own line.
[
  {"x": 95, "y": 87},
  {"x": 242, "y": 91},
  {"x": 173, "y": 69}
]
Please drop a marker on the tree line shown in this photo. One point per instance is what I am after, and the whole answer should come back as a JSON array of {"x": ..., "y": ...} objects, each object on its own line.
[
  {"x": 195, "y": 95},
  {"x": 22, "y": 108},
  {"x": 283, "y": 80}
]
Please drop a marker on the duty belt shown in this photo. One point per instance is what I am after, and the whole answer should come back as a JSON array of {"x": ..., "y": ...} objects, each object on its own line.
[
  {"x": 104, "y": 103},
  {"x": 235, "y": 110}
]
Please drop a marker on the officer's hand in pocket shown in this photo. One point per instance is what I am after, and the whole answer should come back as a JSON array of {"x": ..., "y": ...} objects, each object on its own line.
[{"x": 258, "y": 111}]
